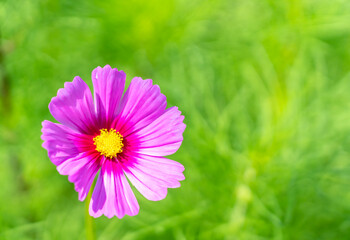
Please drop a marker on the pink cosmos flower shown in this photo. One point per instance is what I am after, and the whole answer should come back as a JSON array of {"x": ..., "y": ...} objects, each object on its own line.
[{"x": 120, "y": 135}]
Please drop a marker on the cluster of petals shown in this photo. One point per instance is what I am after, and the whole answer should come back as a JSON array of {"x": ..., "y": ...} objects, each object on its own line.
[{"x": 150, "y": 132}]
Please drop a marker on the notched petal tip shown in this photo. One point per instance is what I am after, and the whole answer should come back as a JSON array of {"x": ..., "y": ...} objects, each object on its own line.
[{"x": 102, "y": 72}]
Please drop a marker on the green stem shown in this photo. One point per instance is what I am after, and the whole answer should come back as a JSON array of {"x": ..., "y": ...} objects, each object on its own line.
[{"x": 90, "y": 233}]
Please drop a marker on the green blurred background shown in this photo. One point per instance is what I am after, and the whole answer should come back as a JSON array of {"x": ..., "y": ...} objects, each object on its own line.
[{"x": 265, "y": 89}]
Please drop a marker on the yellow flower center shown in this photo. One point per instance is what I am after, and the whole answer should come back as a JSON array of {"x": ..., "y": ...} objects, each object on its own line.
[{"x": 109, "y": 143}]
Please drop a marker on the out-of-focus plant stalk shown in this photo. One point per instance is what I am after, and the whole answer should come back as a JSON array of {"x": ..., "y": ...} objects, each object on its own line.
[
  {"x": 89, "y": 224},
  {"x": 4, "y": 80}
]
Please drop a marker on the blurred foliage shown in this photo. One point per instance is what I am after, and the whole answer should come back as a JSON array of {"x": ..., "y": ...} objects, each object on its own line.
[{"x": 264, "y": 86}]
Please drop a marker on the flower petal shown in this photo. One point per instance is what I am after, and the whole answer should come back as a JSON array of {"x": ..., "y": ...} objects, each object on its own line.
[
  {"x": 152, "y": 175},
  {"x": 69, "y": 151},
  {"x": 112, "y": 195},
  {"x": 108, "y": 89},
  {"x": 141, "y": 105},
  {"x": 73, "y": 106},
  {"x": 162, "y": 137},
  {"x": 59, "y": 142}
]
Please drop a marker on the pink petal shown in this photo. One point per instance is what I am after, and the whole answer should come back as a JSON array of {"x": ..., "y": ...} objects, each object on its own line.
[
  {"x": 141, "y": 104},
  {"x": 152, "y": 175},
  {"x": 162, "y": 137},
  {"x": 60, "y": 141},
  {"x": 108, "y": 89},
  {"x": 73, "y": 106},
  {"x": 71, "y": 153},
  {"x": 112, "y": 195}
]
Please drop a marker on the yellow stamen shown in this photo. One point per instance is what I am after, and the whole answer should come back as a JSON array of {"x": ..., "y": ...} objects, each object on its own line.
[{"x": 109, "y": 143}]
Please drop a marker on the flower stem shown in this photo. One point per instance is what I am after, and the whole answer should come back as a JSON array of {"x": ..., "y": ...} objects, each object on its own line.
[{"x": 89, "y": 224}]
